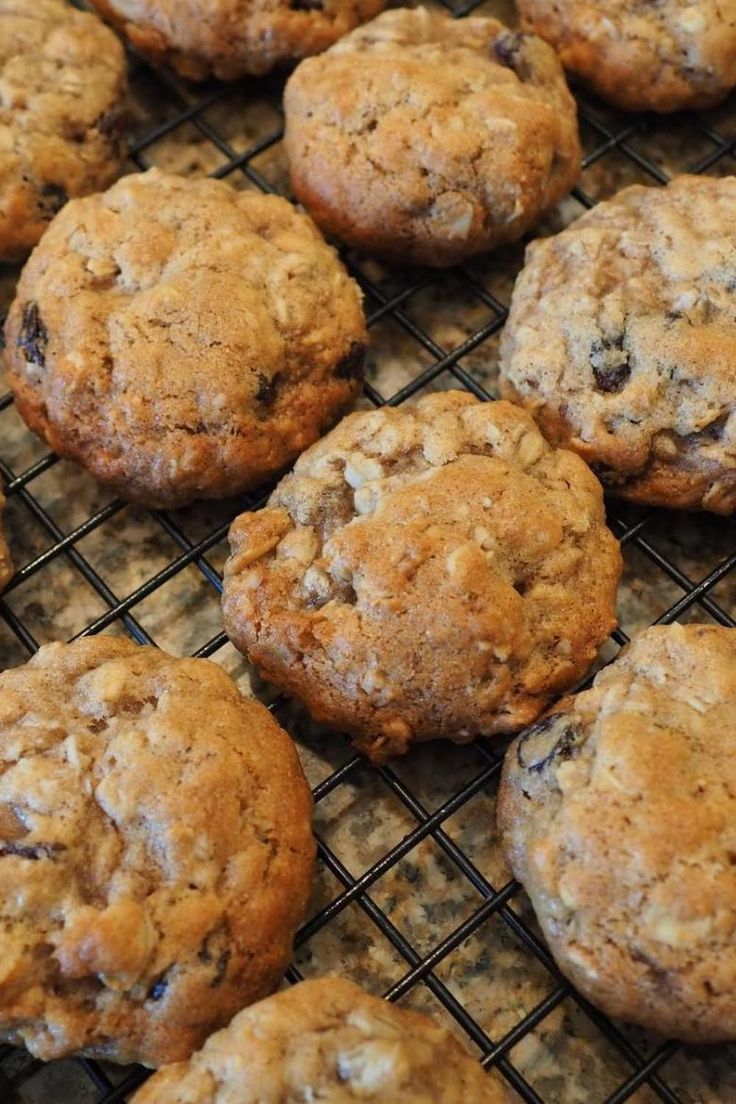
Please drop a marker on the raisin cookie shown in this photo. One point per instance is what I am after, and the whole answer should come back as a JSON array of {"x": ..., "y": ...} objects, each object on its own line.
[
  {"x": 621, "y": 341},
  {"x": 155, "y": 852},
  {"x": 233, "y": 38},
  {"x": 618, "y": 814},
  {"x": 62, "y": 114},
  {"x": 6, "y": 566},
  {"x": 426, "y": 139},
  {"x": 326, "y": 1040},
  {"x": 641, "y": 56},
  {"x": 182, "y": 339},
  {"x": 428, "y": 571}
]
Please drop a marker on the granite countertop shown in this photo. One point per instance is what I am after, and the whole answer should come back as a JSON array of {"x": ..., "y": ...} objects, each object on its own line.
[{"x": 424, "y": 895}]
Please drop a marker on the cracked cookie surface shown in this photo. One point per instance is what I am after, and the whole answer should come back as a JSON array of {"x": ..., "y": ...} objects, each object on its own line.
[
  {"x": 233, "y": 38},
  {"x": 427, "y": 571},
  {"x": 621, "y": 341},
  {"x": 426, "y": 139},
  {"x": 155, "y": 852},
  {"x": 62, "y": 106},
  {"x": 641, "y": 56},
  {"x": 182, "y": 339},
  {"x": 617, "y": 815},
  {"x": 326, "y": 1039}
]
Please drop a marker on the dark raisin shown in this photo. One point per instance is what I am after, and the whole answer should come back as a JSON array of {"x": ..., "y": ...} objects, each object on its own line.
[
  {"x": 33, "y": 852},
  {"x": 221, "y": 969},
  {"x": 351, "y": 365},
  {"x": 157, "y": 990},
  {"x": 566, "y": 746},
  {"x": 508, "y": 48},
  {"x": 610, "y": 363},
  {"x": 608, "y": 476},
  {"x": 33, "y": 337},
  {"x": 267, "y": 388},
  {"x": 306, "y": 5},
  {"x": 51, "y": 199}
]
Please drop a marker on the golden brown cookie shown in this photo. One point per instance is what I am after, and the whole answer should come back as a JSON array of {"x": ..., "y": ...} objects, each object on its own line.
[
  {"x": 155, "y": 852},
  {"x": 326, "y": 1040},
  {"x": 429, "y": 571},
  {"x": 233, "y": 38},
  {"x": 641, "y": 56},
  {"x": 182, "y": 339},
  {"x": 426, "y": 139},
  {"x": 618, "y": 814},
  {"x": 621, "y": 341},
  {"x": 62, "y": 114}
]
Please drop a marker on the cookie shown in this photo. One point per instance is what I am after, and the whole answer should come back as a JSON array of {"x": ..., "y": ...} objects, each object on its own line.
[
  {"x": 62, "y": 114},
  {"x": 640, "y": 56},
  {"x": 429, "y": 571},
  {"x": 182, "y": 339},
  {"x": 621, "y": 341},
  {"x": 6, "y": 565},
  {"x": 618, "y": 815},
  {"x": 326, "y": 1039},
  {"x": 155, "y": 852},
  {"x": 233, "y": 38},
  {"x": 425, "y": 139}
]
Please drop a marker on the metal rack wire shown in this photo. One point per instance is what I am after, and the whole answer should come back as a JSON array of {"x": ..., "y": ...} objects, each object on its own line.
[{"x": 639, "y": 1065}]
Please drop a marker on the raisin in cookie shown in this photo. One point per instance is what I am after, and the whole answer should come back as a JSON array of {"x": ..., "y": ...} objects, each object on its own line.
[
  {"x": 326, "y": 1040},
  {"x": 429, "y": 571},
  {"x": 233, "y": 38},
  {"x": 641, "y": 56},
  {"x": 618, "y": 813},
  {"x": 427, "y": 139},
  {"x": 621, "y": 341},
  {"x": 62, "y": 114},
  {"x": 182, "y": 339},
  {"x": 155, "y": 852}
]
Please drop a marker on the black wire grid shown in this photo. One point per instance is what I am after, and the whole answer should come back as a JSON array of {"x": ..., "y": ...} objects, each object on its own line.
[{"x": 637, "y": 1065}]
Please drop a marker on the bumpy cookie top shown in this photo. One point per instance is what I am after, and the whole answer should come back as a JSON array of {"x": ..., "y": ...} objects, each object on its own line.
[
  {"x": 326, "y": 1040},
  {"x": 435, "y": 570},
  {"x": 231, "y": 38},
  {"x": 643, "y": 56},
  {"x": 445, "y": 137},
  {"x": 621, "y": 340},
  {"x": 155, "y": 851},
  {"x": 183, "y": 339},
  {"x": 618, "y": 814},
  {"x": 62, "y": 86}
]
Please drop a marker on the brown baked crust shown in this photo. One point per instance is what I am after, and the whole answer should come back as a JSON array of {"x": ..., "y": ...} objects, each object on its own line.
[
  {"x": 617, "y": 815},
  {"x": 621, "y": 341},
  {"x": 326, "y": 1039},
  {"x": 155, "y": 852},
  {"x": 229, "y": 39},
  {"x": 62, "y": 114},
  {"x": 425, "y": 139},
  {"x": 182, "y": 339},
  {"x": 642, "y": 56},
  {"x": 429, "y": 571}
]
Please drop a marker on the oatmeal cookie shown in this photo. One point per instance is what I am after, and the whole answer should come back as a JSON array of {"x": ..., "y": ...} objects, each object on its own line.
[
  {"x": 621, "y": 341},
  {"x": 427, "y": 139},
  {"x": 62, "y": 114},
  {"x": 429, "y": 571},
  {"x": 233, "y": 38},
  {"x": 642, "y": 56},
  {"x": 618, "y": 816},
  {"x": 182, "y": 339},
  {"x": 155, "y": 852},
  {"x": 326, "y": 1039}
]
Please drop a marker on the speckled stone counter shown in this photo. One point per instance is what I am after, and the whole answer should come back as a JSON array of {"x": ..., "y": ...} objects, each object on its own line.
[{"x": 420, "y": 901}]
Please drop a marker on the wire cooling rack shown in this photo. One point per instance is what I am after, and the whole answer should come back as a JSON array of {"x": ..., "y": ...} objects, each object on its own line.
[{"x": 412, "y": 897}]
